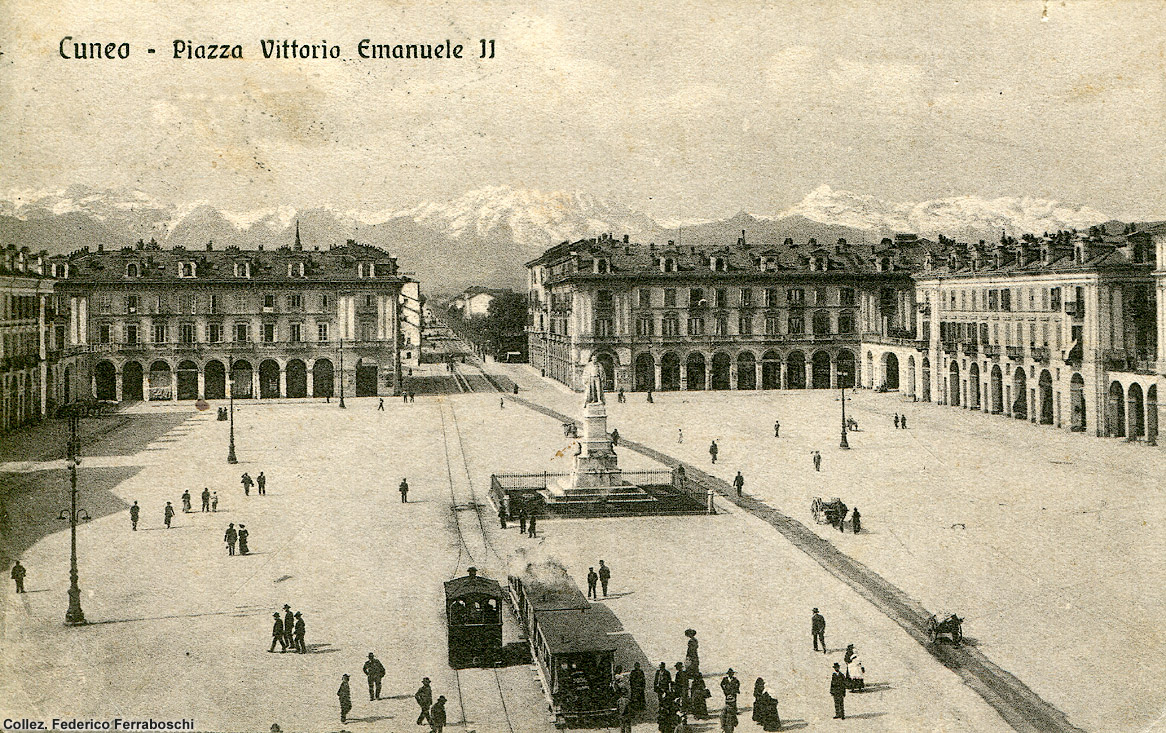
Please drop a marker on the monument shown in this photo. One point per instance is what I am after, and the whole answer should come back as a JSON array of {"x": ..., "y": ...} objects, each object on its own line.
[{"x": 596, "y": 464}]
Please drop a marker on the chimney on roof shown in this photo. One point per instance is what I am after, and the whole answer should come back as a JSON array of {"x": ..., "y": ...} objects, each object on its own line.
[
  {"x": 741, "y": 239},
  {"x": 261, "y": 248},
  {"x": 625, "y": 239},
  {"x": 101, "y": 247}
]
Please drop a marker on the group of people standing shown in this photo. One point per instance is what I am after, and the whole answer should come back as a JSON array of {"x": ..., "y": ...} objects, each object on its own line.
[
  {"x": 603, "y": 577},
  {"x": 210, "y": 501},
  {"x": 260, "y": 482},
  {"x": 239, "y": 536},
  {"x": 431, "y": 711},
  {"x": 288, "y": 632},
  {"x": 527, "y": 512},
  {"x": 900, "y": 421}
]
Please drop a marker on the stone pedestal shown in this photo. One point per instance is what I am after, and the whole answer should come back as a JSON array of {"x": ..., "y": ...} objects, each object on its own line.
[{"x": 596, "y": 465}]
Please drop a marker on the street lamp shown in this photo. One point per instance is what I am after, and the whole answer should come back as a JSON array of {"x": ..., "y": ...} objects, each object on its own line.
[
  {"x": 74, "y": 616},
  {"x": 342, "y": 406},
  {"x": 844, "y": 443},
  {"x": 231, "y": 402}
]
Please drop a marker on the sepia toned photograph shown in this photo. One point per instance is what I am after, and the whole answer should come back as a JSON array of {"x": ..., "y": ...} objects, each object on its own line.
[{"x": 680, "y": 367}]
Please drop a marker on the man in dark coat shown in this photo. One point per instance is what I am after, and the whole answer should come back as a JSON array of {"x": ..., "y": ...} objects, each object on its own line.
[
  {"x": 680, "y": 688},
  {"x": 502, "y": 515},
  {"x": 521, "y": 519},
  {"x": 662, "y": 683},
  {"x": 838, "y": 692},
  {"x": 738, "y": 483},
  {"x": 713, "y": 450},
  {"x": 604, "y": 576},
  {"x": 231, "y": 537},
  {"x": 261, "y": 482},
  {"x": 168, "y": 514},
  {"x": 206, "y": 499},
  {"x": 135, "y": 512},
  {"x": 896, "y": 421},
  {"x": 18, "y": 573},
  {"x": 424, "y": 698},
  {"x": 277, "y": 636},
  {"x": 903, "y": 422},
  {"x": 731, "y": 687},
  {"x": 404, "y": 489},
  {"x": 289, "y": 625},
  {"x": 375, "y": 671},
  {"x": 777, "y": 428},
  {"x": 345, "y": 695},
  {"x": 186, "y": 501},
  {"x": 637, "y": 683},
  {"x": 592, "y": 580},
  {"x": 299, "y": 631},
  {"x": 247, "y": 482},
  {"x": 437, "y": 715},
  {"x": 855, "y": 520},
  {"x": 530, "y": 530},
  {"x": 818, "y": 630}
]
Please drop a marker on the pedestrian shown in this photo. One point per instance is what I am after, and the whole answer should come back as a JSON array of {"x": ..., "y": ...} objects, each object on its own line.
[
  {"x": 636, "y": 684},
  {"x": 765, "y": 708},
  {"x": 650, "y": 397},
  {"x": 247, "y": 483},
  {"x": 662, "y": 683},
  {"x": 424, "y": 698},
  {"x": 530, "y": 530},
  {"x": 777, "y": 428},
  {"x": 375, "y": 671},
  {"x": 135, "y": 511},
  {"x": 896, "y": 421},
  {"x": 713, "y": 451},
  {"x": 692, "y": 653},
  {"x": 17, "y": 574},
  {"x": 855, "y": 520},
  {"x": 817, "y": 461},
  {"x": 842, "y": 518},
  {"x": 728, "y": 719},
  {"x": 214, "y": 501},
  {"x": 243, "y": 534},
  {"x": 168, "y": 514},
  {"x": 730, "y": 687},
  {"x": 604, "y": 576},
  {"x": 289, "y": 626},
  {"x": 838, "y": 692},
  {"x": 516, "y": 389},
  {"x": 614, "y": 437},
  {"x": 623, "y": 711},
  {"x": 404, "y": 398},
  {"x": 345, "y": 695},
  {"x": 855, "y": 672},
  {"x": 206, "y": 499},
  {"x": 680, "y": 680},
  {"x": 521, "y": 520},
  {"x": 818, "y": 630},
  {"x": 261, "y": 482},
  {"x": 679, "y": 435},
  {"x": 698, "y": 695},
  {"x": 231, "y": 537},
  {"x": 298, "y": 632},
  {"x": 277, "y": 636},
  {"x": 403, "y": 487},
  {"x": 502, "y": 515},
  {"x": 758, "y": 691},
  {"x": 437, "y": 715},
  {"x": 186, "y": 501},
  {"x": 666, "y": 717},
  {"x": 592, "y": 579},
  {"x": 738, "y": 482},
  {"x": 381, "y": 403},
  {"x": 903, "y": 422},
  {"x": 501, "y": 403}
]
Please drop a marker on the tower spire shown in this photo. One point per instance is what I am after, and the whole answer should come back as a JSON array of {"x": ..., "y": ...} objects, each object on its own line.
[{"x": 298, "y": 245}]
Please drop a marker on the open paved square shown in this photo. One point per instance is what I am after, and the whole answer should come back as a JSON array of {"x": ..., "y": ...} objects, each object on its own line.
[{"x": 178, "y": 626}]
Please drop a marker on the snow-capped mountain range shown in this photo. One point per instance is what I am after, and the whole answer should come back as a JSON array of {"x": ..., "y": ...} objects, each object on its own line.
[{"x": 484, "y": 236}]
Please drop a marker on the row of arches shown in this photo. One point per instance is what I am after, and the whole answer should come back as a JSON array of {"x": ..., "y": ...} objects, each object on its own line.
[
  {"x": 721, "y": 370},
  {"x": 1132, "y": 413},
  {"x": 189, "y": 381}
]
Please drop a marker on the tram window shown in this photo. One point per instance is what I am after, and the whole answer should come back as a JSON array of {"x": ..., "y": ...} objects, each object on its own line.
[{"x": 457, "y": 613}]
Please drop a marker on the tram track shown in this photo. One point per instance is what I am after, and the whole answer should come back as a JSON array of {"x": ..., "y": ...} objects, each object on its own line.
[{"x": 473, "y": 684}]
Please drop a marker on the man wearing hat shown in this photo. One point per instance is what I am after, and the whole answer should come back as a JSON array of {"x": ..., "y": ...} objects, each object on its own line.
[
  {"x": 838, "y": 692},
  {"x": 437, "y": 715},
  {"x": 375, "y": 672},
  {"x": 298, "y": 635},
  {"x": 277, "y": 636},
  {"x": 424, "y": 698},
  {"x": 345, "y": 695},
  {"x": 731, "y": 686},
  {"x": 289, "y": 625},
  {"x": 818, "y": 630}
]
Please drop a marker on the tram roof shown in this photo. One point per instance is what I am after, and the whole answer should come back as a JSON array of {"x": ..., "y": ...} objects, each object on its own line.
[
  {"x": 549, "y": 588},
  {"x": 573, "y": 633},
  {"x": 472, "y": 585}
]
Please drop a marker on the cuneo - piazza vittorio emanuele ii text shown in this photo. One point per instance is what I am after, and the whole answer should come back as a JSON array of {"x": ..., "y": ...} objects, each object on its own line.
[{"x": 1066, "y": 330}]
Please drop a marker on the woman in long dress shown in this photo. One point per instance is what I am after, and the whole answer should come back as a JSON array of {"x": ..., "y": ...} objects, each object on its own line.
[{"x": 758, "y": 691}]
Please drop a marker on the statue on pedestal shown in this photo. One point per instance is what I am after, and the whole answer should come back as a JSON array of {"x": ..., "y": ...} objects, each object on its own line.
[{"x": 593, "y": 383}]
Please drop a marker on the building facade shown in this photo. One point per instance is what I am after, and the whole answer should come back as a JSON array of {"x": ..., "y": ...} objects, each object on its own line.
[
  {"x": 28, "y": 353},
  {"x": 735, "y": 317},
  {"x": 147, "y": 323}
]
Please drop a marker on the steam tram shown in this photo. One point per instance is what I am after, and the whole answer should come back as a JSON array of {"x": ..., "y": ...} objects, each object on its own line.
[
  {"x": 574, "y": 656},
  {"x": 473, "y": 617}
]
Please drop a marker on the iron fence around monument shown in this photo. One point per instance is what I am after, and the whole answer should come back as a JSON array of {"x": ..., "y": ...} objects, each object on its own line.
[{"x": 672, "y": 491}]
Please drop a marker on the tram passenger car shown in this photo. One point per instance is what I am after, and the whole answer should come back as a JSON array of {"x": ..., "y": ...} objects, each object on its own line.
[
  {"x": 574, "y": 656},
  {"x": 473, "y": 617}
]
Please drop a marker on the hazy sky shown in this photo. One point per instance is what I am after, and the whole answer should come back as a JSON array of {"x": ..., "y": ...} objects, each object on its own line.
[{"x": 683, "y": 109}]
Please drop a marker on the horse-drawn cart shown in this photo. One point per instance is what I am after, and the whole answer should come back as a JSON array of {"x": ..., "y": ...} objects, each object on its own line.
[
  {"x": 828, "y": 512},
  {"x": 950, "y": 627}
]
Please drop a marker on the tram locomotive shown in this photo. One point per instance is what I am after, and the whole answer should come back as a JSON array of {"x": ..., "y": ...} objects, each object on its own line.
[
  {"x": 574, "y": 656},
  {"x": 473, "y": 617}
]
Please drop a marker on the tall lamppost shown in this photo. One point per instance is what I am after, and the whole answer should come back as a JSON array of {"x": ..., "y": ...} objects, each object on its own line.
[
  {"x": 74, "y": 616},
  {"x": 844, "y": 443},
  {"x": 231, "y": 409},
  {"x": 342, "y": 405}
]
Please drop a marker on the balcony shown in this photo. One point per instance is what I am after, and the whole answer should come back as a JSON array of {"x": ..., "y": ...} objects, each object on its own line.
[
  {"x": 1016, "y": 353},
  {"x": 1040, "y": 353},
  {"x": 990, "y": 351},
  {"x": 1075, "y": 308},
  {"x": 950, "y": 347},
  {"x": 970, "y": 348}
]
